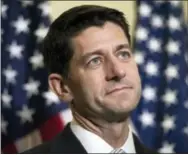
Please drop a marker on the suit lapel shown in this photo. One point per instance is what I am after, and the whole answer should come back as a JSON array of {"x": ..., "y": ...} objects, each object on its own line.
[{"x": 67, "y": 142}]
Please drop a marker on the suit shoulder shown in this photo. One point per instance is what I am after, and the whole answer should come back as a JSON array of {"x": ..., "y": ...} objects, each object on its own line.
[{"x": 46, "y": 147}]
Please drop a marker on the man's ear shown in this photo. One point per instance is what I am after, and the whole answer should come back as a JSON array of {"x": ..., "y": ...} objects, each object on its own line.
[{"x": 59, "y": 87}]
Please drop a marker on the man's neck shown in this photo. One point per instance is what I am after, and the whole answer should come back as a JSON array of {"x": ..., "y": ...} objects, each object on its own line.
[{"x": 114, "y": 134}]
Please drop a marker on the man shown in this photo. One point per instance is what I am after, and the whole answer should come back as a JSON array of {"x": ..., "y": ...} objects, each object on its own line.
[{"x": 91, "y": 65}]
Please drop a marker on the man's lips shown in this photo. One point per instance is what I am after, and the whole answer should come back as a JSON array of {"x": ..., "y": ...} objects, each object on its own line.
[{"x": 118, "y": 89}]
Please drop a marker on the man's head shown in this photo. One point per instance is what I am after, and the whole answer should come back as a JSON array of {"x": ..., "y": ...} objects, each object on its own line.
[{"x": 87, "y": 51}]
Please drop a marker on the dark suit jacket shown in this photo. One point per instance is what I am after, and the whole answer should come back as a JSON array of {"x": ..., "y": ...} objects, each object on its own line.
[{"x": 66, "y": 142}]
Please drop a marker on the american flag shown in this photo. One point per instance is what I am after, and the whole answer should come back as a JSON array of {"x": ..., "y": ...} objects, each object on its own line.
[
  {"x": 161, "y": 118},
  {"x": 30, "y": 112}
]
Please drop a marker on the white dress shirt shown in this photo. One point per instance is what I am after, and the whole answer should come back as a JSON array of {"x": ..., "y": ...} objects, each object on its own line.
[{"x": 95, "y": 144}]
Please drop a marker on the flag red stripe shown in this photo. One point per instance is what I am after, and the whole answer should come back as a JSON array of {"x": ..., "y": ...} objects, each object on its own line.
[
  {"x": 51, "y": 127},
  {"x": 10, "y": 148}
]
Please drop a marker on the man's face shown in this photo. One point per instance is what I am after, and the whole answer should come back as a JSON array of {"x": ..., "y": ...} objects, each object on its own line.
[{"x": 104, "y": 78}]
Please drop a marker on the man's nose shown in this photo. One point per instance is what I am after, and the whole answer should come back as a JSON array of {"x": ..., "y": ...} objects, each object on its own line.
[{"x": 115, "y": 70}]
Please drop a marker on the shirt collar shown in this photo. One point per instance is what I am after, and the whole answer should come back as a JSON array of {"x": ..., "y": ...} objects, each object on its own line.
[{"x": 95, "y": 144}]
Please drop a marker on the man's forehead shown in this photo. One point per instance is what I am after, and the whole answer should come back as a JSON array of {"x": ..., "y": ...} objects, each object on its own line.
[{"x": 95, "y": 36}]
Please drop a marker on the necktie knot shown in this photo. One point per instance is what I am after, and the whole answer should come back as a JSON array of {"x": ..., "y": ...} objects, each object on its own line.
[{"x": 118, "y": 151}]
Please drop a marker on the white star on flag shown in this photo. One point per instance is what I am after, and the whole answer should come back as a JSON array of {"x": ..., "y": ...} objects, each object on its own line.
[
  {"x": 145, "y": 10},
  {"x": 31, "y": 87},
  {"x": 171, "y": 72},
  {"x": 4, "y": 125},
  {"x": 26, "y": 3},
  {"x": 186, "y": 104},
  {"x": 15, "y": 50},
  {"x": 21, "y": 25},
  {"x": 10, "y": 75},
  {"x": 185, "y": 130},
  {"x": 152, "y": 68},
  {"x": 186, "y": 57},
  {"x": 147, "y": 119},
  {"x": 170, "y": 97},
  {"x": 36, "y": 60},
  {"x": 186, "y": 80},
  {"x": 45, "y": 8},
  {"x": 2, "y": 32},
  {"x": 51, "y": 98},
  {"x": 173, "y": 47},
  {"x": 25, "y": 114},
  {"x": 174, "y": 23},
  {"x": 149, "y": 93},
  {"x": 6, "y": 98},
  {"x": 4, "y": 10},
  {"x": 157, "y": 21},
  {"x": 139, "y": 57},
  {"x": 142, "y": 34},
  {"x": 41, "y": 32},
  {"x": 175, "y": 3},
  {"x": 154, "y": 45},
  {"x": 168, "y": 123},
  {"x": 167, "y": 147}
]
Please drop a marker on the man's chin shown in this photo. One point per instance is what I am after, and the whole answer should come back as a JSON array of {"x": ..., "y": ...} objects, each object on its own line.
[
  {"x": 113, "y": 116},
  {"x": 121, "y": 106}
]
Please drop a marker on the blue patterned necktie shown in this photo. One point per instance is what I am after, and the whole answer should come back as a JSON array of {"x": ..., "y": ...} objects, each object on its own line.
[{"x": 118, "y": 151}]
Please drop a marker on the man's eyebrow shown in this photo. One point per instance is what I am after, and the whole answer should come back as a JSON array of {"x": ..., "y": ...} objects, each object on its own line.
[
  {"x": 99, "y": 51},
  {"x": 86, "y": 55},
  {"x": 121, "y": 46}
]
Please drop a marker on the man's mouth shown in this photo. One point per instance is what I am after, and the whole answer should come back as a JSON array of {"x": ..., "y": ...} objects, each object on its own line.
[{"x": 118, "y": 89}]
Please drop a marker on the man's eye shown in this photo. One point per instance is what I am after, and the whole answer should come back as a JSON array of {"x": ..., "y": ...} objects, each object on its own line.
[
  {"x": 94, "y": 62},
  {"x": 124, "y": 55}
]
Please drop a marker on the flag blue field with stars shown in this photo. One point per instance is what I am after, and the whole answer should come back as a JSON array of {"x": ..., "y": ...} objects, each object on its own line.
[
  {"x": 161, "y": 51},
  {"x": 30, "y": 112}
]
